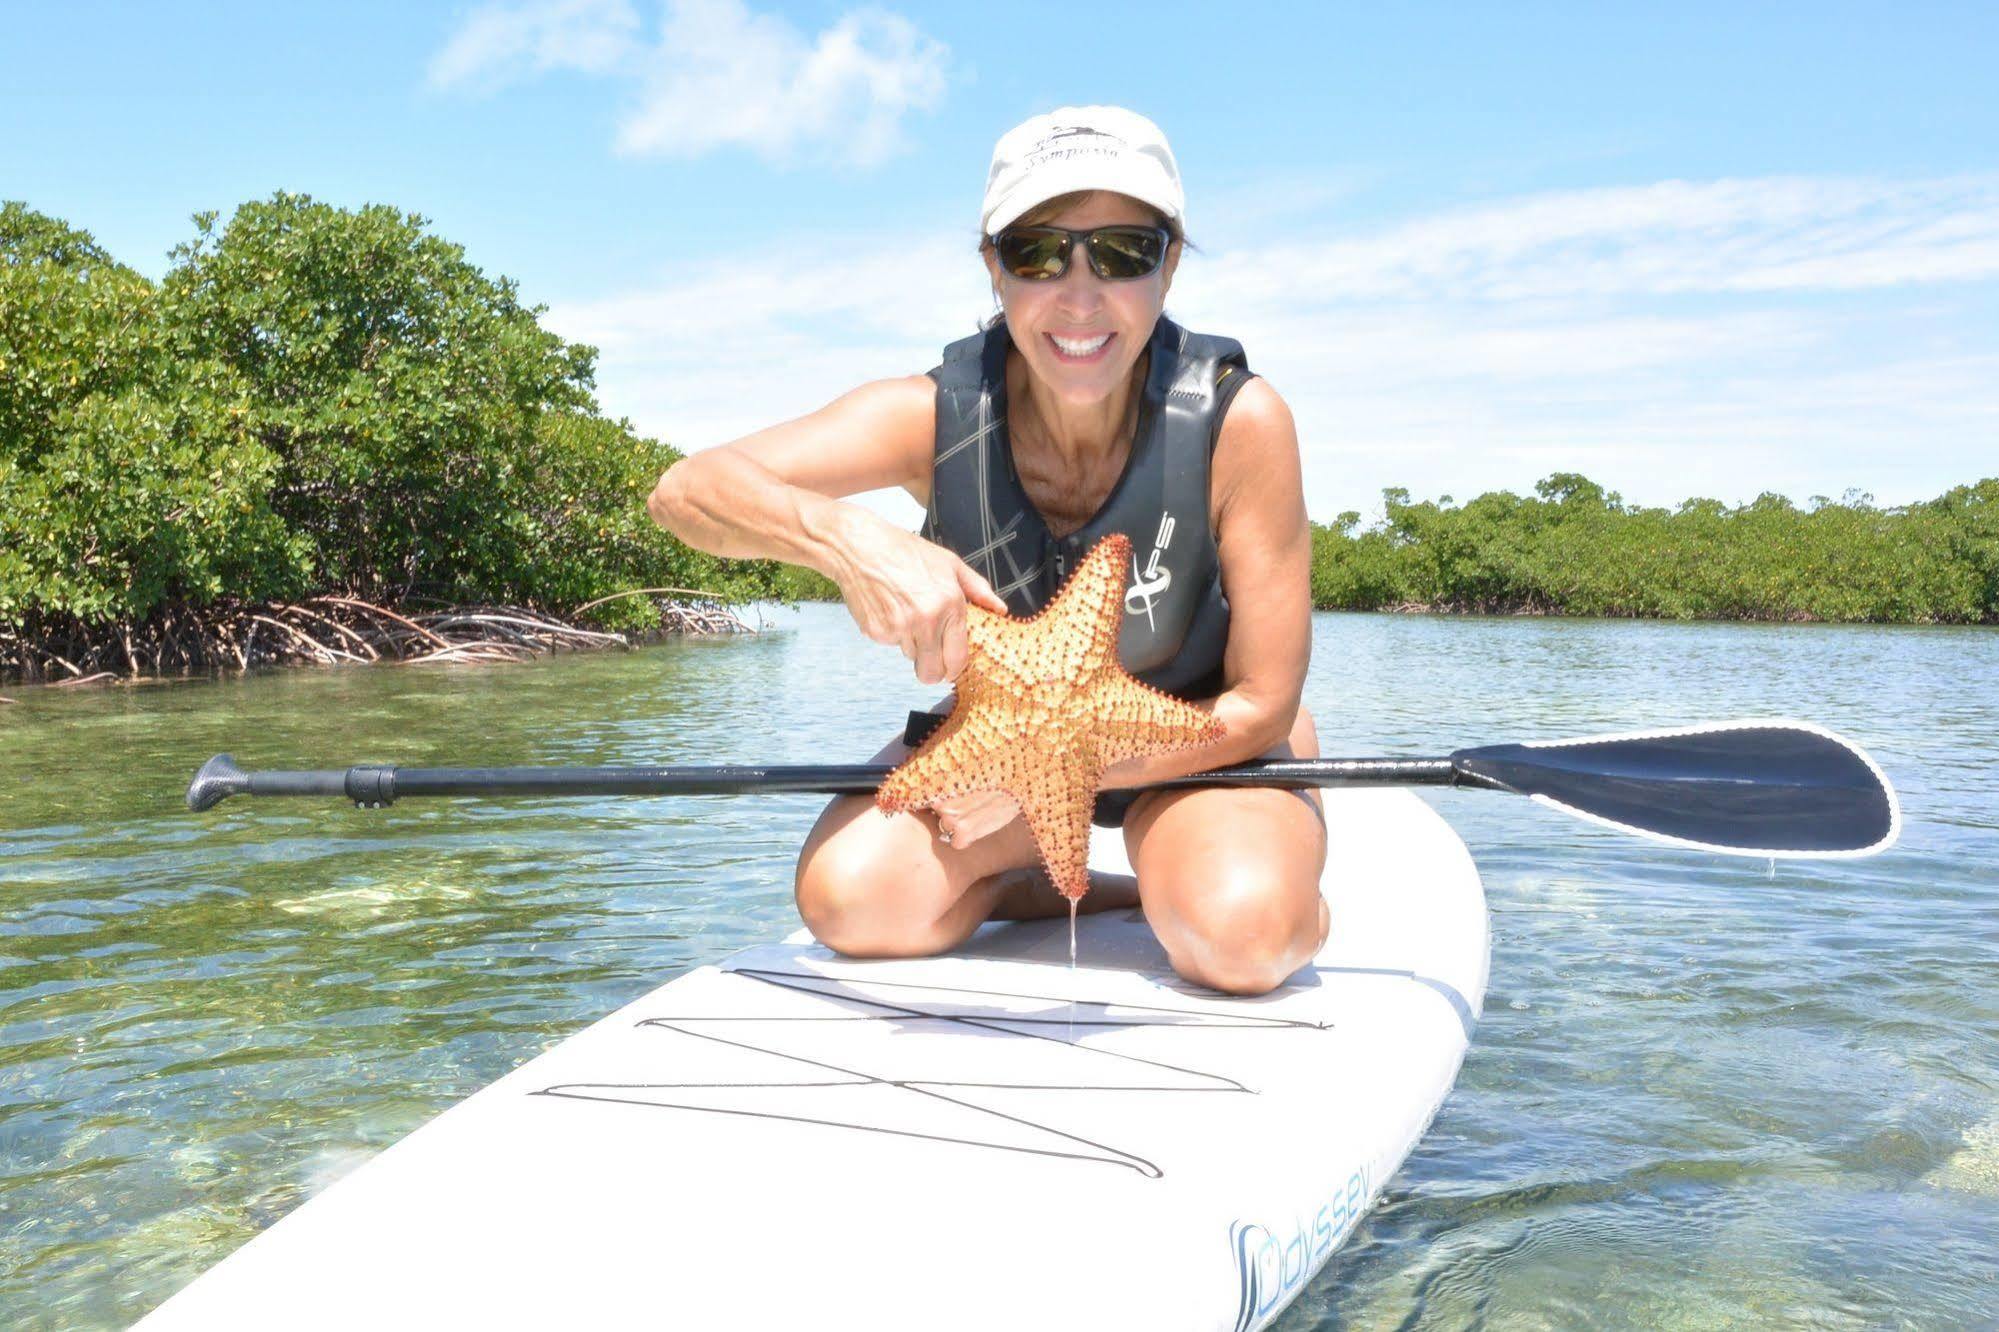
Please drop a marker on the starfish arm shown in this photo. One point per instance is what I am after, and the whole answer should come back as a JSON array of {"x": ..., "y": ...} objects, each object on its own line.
[
  {"x": 1134, "y": 720},
  {"x": 1057, "y": 803},
  {"x": 957, "y": 760},
  {"x": 1001, "y": 647},
  {"x": 1090, "y": 610}
]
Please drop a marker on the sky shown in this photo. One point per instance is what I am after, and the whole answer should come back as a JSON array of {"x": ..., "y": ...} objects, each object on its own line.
[{"x": 1698, "y": 249}]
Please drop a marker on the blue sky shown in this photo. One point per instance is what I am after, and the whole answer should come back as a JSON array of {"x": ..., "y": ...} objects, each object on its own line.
[{"x": 1697, "y": 249}]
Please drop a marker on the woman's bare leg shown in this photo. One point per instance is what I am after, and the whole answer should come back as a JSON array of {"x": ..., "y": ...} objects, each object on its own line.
[{"x": 1229, "y": 878}]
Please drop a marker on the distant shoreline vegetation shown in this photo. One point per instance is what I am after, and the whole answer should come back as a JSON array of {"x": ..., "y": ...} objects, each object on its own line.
[
  {"x": 1572, "y": 548},
  {"x": 316, "y": 406},
  {"x": 325, "y": 435}
]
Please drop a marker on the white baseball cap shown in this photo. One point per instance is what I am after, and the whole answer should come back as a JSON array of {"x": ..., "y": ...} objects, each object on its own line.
[{"x": 1080, "y": 148}]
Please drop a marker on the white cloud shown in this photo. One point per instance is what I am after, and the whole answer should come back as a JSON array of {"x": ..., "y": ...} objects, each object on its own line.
[
  {"x": 722, "y": 76},
  {"x": 717, "y": 75},
  {"x": 500, "y": 43},
  {"x": 1727, "y": 337},
  {"x": 1675, "y": 237}
]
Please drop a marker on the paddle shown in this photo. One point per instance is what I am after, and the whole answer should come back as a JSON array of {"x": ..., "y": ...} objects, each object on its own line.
[{"x": 1758, "y": 788}]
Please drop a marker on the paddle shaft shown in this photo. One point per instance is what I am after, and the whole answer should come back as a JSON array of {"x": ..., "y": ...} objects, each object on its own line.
[
  {"x": 370, "y": 785},
  {"x": 1762, "y": 787}
]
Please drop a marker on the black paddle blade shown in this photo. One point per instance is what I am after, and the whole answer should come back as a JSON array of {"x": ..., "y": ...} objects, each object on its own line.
[{"x": 1754, "y": 788}]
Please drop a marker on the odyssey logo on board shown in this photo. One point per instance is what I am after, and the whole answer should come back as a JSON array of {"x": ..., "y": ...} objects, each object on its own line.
[{"x": 1272, "y": 1262}]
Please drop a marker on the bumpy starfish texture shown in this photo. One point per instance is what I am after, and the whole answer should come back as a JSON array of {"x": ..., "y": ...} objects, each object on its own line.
[{"x": 1043, "y": 707}]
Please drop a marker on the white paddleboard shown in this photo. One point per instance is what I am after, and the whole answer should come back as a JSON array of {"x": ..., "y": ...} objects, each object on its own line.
[{"x": 983, "y": 1140}]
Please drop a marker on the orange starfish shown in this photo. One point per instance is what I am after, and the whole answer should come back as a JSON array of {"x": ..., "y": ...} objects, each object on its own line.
[{"x": 1043, "y": 707}]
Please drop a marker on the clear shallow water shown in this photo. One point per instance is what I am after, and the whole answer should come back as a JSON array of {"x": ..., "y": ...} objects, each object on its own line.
[{"x": 1703, "y": 1094}]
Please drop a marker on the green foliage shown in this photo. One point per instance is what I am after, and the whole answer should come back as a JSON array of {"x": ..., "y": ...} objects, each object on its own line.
[
  {"x": 793, "y": 582},
  {"x": 27, "y": 236},
  {"x": 582, "y": 532},
  {"x": 1575, "y": 549},
  {"x": 126, "y": 474},
  {"x": 72, "y": 324},
  {"x": 314, "y": 399},
  {"x": 398, "y": 386}
]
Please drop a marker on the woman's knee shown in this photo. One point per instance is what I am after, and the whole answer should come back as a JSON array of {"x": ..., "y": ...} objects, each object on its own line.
[
  {"x": 857, "y": 896},
  {"x": 831, "y": 897},
  {"x": 1246, "y": 936}
]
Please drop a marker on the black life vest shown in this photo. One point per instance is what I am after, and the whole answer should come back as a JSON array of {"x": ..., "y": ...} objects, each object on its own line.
[{"x": 1176, "y": 621}]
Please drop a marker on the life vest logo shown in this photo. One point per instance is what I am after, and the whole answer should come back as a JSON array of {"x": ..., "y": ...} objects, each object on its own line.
[
  {"x": 1273, "y": 1265},
  {"x": 1148, "y": 583}
]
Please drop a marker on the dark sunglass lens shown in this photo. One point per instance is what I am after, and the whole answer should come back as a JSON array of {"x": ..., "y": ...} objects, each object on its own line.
[
  {"x": 1118, "y": 253},
  {"x": 1034, "y": 255}
]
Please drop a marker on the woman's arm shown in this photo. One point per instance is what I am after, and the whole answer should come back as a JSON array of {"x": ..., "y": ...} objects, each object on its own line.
[
  {"x": 1266, "y": 558},
  {"x": 776, "y": 495}
]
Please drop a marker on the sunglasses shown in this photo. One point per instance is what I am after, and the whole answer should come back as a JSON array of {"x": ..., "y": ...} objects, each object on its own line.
[{"x": 1117, "y": 254}]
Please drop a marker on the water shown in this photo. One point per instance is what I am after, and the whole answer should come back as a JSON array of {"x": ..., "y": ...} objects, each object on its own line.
[{"x": 1705, "y": 1093}]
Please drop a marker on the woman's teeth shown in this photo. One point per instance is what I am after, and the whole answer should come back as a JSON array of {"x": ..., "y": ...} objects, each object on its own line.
[{"x": 1079, "y": 346}]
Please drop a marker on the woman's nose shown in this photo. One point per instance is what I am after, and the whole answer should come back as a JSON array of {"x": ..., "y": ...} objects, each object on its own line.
[{"x": 1079, "y": 287}]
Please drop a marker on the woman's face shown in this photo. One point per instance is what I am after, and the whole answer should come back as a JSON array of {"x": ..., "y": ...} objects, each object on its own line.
[{"x": 1081, "y": 335}]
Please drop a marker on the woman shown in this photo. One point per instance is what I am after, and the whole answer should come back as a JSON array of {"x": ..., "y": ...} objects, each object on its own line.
[{"x": 1079, "y": 410}]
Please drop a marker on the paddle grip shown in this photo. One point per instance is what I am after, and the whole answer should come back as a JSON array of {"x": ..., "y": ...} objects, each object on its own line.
[{"x": 371, "y": 786}]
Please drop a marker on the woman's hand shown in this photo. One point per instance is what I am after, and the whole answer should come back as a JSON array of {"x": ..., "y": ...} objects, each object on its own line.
[
  {"x": 910, "y": 593},
  {"x": 962, "y": 820}
]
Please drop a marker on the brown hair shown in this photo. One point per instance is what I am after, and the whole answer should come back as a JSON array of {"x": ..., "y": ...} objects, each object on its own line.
[{"x": 1042, "y": 213}]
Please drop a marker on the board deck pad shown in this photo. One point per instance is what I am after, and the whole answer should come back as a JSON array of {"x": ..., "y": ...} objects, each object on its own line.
[{"x": 983, "y": 1139}]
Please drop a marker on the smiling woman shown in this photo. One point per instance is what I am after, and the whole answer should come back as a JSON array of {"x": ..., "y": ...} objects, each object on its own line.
[{"x": 1079, "y": 412}]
